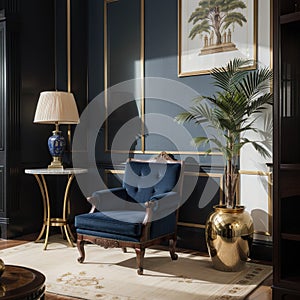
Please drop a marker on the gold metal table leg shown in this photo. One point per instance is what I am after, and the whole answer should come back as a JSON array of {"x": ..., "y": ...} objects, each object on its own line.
[
  {"x": 44, "y": 206},
  {"x": 48, "y": 211},
  {"x": 47, "y": 220},
  {"x": 66, "y": 198}
]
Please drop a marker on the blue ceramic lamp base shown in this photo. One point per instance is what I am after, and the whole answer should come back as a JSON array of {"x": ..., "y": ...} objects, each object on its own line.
[{"x": 56, "y": 145}]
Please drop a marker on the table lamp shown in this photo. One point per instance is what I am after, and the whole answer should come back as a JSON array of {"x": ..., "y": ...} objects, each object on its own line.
[{"x": 56, "y": 108}]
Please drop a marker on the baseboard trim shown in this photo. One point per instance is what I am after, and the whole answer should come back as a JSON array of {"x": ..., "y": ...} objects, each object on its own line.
[{"x": 262, "y": 250}]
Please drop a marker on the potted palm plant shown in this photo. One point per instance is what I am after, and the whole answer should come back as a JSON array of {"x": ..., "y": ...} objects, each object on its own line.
[{"x": 241, "y": 96}]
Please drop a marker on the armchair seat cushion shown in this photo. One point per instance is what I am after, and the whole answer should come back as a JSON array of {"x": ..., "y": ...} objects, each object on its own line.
[{"x": 128, "y": 223}]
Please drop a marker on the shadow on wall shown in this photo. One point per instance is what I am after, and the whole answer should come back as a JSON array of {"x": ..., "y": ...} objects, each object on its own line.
[{"x": 261, "y": 220}]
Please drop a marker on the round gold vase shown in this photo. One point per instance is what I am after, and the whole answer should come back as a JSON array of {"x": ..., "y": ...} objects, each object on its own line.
[{"x": 229, "y": 235}]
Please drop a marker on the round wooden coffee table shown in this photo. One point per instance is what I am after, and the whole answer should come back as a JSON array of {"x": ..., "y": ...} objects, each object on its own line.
[{"x": 24, "y": 283}]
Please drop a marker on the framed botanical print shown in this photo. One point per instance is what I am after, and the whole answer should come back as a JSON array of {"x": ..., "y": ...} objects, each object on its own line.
[{"x": 213, "y": 32}]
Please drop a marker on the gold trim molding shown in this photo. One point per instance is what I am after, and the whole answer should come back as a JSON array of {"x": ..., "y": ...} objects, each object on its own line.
[
  {"x": 69, "y": 65},
  {"x": 69, "y": 44}
]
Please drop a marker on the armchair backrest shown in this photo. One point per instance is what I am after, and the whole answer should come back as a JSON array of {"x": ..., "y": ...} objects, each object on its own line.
[{"x": 145, "y": 179}]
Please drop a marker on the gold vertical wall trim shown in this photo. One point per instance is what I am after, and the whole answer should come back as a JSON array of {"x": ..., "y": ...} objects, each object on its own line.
[
  {"x": 55, "y": 47},
  {"x": 69, "y": 44},
  {"x": 271, "y": 40},
  {"x": 142, "y": 58},
  {"x": 105, "y": 74},
  {"x": 179, "y": 39},
  {"x": 69, "y": 63},
  {"x": 221, "y": 189},
  {"x": 271, "y": 33},
  {"x": 69, "y": 137},
  {"x": 255, "y": 36},
  {"x": 270, "y": 202}
]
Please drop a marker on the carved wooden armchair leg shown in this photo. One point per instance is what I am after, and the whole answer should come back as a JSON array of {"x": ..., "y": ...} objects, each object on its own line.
[
  {"x": 80, "y": 247},
  {"x": 172, "y": 246},
  {"x": 140, "y": 253}
]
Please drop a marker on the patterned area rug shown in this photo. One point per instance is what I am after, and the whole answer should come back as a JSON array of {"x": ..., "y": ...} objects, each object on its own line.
[{"x": 111, "y": 274}]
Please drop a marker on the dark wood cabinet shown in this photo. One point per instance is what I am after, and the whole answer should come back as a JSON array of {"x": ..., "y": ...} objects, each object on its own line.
[
  {"x": 8, "y": 145},
  {"x": 286, "y": 225}
]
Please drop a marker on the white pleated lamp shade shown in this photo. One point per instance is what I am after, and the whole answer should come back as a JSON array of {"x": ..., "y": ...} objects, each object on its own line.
[{"x": 56, "y": 107}]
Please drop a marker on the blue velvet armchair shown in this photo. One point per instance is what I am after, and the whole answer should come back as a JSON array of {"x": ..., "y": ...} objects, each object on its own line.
[{"x": 141, "y": 213}]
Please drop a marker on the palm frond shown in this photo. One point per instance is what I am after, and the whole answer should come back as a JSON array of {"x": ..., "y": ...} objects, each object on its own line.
[
  {"x": 200, "y": 140},
  {"x": 256, "y": 83},
  {"x": 229, "y": 76},
  {"x": 184, "y": 117},
  {"x": 259, "y": 147},
  {"x": 259, "y": 104}
]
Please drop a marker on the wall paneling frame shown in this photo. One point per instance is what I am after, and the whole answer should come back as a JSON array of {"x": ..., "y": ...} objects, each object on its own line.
[{"x": 124, "y": 60}]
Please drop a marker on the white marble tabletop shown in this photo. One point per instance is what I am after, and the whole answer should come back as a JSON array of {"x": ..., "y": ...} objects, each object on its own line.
[{"x": 46, "y": 171}]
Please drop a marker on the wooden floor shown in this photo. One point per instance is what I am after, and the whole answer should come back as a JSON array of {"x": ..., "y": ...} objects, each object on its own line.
[{"x": 263, "y": 292}]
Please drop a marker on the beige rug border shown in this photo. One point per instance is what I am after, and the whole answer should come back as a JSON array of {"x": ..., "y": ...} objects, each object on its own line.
[{"x": 165, "y": 284}]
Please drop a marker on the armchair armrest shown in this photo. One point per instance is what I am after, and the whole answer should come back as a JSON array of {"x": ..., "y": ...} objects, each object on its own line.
[
  {"x": 108, "y": 199},
  {"x": 166, "y": 202},
  {"x": 161, "y": 205}
]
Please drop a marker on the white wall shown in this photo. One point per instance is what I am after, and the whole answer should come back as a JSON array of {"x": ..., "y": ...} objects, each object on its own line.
[{"x": 255, "y": 190}]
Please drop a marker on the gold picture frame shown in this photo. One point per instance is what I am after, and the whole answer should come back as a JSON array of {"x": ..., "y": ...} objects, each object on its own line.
[{"x": 204, "y": 44}]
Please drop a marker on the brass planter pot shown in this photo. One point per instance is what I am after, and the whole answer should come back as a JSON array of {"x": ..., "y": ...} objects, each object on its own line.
[{"x": 229, "y": 235}]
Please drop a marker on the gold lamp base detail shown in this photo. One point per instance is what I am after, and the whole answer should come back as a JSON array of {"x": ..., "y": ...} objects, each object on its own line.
[{"x": 56, "y": 163}]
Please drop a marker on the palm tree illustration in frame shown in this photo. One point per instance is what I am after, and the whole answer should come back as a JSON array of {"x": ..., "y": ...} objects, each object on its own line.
[
  {"x": 214, "y": 31},
  {"x": 213, "y": 20}
]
